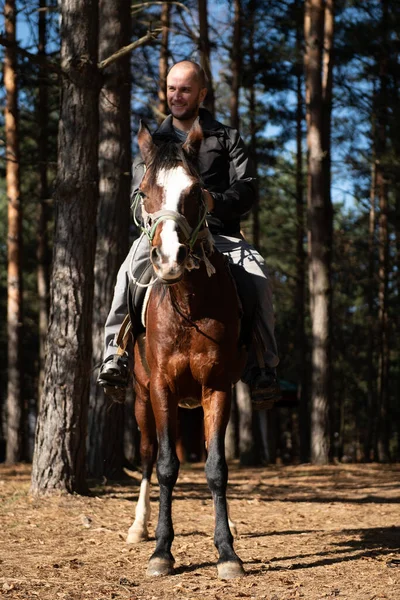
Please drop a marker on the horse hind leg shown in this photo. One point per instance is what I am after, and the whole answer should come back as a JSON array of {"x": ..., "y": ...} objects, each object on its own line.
[{"x": 138, "y": 532}]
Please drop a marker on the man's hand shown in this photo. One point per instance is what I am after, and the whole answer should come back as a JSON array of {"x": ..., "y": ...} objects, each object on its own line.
[{"x": 209, "y": 200}]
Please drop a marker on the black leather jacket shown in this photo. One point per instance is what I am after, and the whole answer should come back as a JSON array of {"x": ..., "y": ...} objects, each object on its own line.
[{"x": 225, "y": 168}]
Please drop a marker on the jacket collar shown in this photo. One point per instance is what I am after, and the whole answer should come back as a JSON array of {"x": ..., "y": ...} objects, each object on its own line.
[{"x": 209, "y": 125}]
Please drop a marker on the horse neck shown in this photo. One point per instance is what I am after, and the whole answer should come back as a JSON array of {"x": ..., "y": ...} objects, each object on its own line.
[{"x": 191, "y": 291}]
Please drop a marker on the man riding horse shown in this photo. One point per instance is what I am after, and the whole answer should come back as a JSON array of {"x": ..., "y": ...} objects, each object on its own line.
[{"x": 229, "y": 190}]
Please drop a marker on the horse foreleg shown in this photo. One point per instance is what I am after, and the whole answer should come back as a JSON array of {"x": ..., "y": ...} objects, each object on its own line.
[
  {"x": 216, "y": 415},
  {"x": 162, "y": 561},
  {"x": 148, "y": 451}
]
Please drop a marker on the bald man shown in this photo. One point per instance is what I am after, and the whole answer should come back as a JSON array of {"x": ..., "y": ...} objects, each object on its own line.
[{"x": 229, "y": 190}]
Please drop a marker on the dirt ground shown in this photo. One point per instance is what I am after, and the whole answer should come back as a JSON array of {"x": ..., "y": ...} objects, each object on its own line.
[{"x": 303, "y": 532}]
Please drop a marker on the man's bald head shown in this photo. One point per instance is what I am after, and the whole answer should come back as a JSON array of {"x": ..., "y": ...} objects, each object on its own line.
[{"x": 194, "y": 68}]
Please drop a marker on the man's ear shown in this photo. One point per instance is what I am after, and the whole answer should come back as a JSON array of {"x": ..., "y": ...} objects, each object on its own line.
[
  {"x": 203, "y": 94},
  {"x": 193, "y": 140},
  {"x": 145, "y": 141}
]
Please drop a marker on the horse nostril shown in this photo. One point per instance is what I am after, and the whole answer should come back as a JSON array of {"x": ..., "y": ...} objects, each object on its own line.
[{"x": 182, "y": 254}]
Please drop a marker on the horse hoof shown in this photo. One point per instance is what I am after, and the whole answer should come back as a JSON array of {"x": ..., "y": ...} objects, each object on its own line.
[
  {"x": 160, "y": 567},
  {"x": 230, "y": 570},
  {"x": 135, "y": 537}
]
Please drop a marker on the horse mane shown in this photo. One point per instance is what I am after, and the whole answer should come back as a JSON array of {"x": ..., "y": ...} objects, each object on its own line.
[{"x": 169, "y": 155}]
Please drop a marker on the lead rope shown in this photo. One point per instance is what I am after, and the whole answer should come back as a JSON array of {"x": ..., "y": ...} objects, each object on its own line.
[{"x": 136, "y": 281}]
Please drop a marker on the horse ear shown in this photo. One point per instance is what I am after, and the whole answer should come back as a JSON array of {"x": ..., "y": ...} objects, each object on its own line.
[
  {"x": 145, "y": 141},
  {"x": 193, "y": 140}
]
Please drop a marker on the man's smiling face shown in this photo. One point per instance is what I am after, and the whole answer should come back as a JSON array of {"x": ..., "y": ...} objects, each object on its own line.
[{"x": 184, "y": 94}]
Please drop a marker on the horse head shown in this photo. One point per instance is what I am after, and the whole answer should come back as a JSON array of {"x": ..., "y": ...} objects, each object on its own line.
[{"x": 172, "y": 201}]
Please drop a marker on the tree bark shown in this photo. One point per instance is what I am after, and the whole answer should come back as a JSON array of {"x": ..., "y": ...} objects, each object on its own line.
[
  {"x": 205, "y": 54},
  {"x": 14, "y": 243},
  {"x": 327, "y": 91},
  {"x": 60, "y": 451},
  {"x": 245, "y": 412},
  {"x": 162, "y": 109},
  {"x": 105, "y": 439},
  {"x": 319, "y": 215},
  {"x": 304, "y": 425},
  {"x": 370, "y": 440},
  {"x": 236, "y": 64},
  {"x": 233, "y": 427},
  {"x": 382, "y": 188},
  {"x": 253, "y": 121},
  {"x": 42, "y": 248}
]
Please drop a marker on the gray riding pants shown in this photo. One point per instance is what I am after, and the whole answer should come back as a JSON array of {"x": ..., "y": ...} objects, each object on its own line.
[{"x": 240, "y": 253}]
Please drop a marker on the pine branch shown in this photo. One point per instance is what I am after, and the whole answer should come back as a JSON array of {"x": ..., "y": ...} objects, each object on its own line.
[{"x": 150, "y": 35}]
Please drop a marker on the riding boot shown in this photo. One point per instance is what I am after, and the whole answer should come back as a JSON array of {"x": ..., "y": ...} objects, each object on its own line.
[{"x": 132, "y": 283}]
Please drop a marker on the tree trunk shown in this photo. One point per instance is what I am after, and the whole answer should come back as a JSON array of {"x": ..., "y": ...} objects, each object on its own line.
[
  {"x": 231, "y": 437},
  {"x": 233, "y": 427},
  {"x": 236, "y": 64},
  {"x": 301, "y": 364},
  {"x": 42, "y": 249},
  {"x": 14, "y": 243},
  {"x": 370, "y": 441},
  {"x": 253, "y": 121},
  {"x": 162, "y": 109},
  {"x": 319, "y": 215},
  {"x": 105, "y": 440},
  {"x": 327, "y": 90},
  {"x": 245, "y": 411},
  {"x": 382, "y": 188},
  {"x": 204, "y": 47},
  {"x": 60, "y": 451}
]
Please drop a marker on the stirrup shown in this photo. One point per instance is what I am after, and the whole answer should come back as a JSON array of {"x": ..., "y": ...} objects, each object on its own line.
[
  {"x": 265, "y": 390},
  {"x": 114, "y": 372}
]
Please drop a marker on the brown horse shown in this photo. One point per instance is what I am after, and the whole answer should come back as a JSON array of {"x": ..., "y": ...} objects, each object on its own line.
[{"x": 190, "y": 354}]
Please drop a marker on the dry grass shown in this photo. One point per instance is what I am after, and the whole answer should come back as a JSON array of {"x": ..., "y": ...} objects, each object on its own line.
[{"x": 304, "y": 532}]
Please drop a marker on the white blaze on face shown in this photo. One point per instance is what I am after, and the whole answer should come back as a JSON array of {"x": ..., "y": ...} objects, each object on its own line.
[{"x": 173, "y": 183}]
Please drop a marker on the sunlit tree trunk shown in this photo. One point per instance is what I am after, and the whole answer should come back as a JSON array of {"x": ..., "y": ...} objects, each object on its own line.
[
  {"x": 319, "y": 217},
  {"x": 382, "y": 189},
  {"x": 60, "y": 451},
  {"x": 162, "y": 109},
  {"x": 14, "y": 243},
  {"x": 105, "y": 440},
  {"x": 205, "y": 54},
  {"x": 42, "y": 251}
]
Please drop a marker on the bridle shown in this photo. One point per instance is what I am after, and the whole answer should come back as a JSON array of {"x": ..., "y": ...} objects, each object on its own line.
[{"x": 152, "y": 220}]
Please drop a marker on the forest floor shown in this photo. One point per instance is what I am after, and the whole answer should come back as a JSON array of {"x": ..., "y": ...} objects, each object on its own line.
[{"x": 303, "y": 532}]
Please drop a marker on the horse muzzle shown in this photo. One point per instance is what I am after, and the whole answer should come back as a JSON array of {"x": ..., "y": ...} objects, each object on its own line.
[{"x": 169, "y": 269}]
